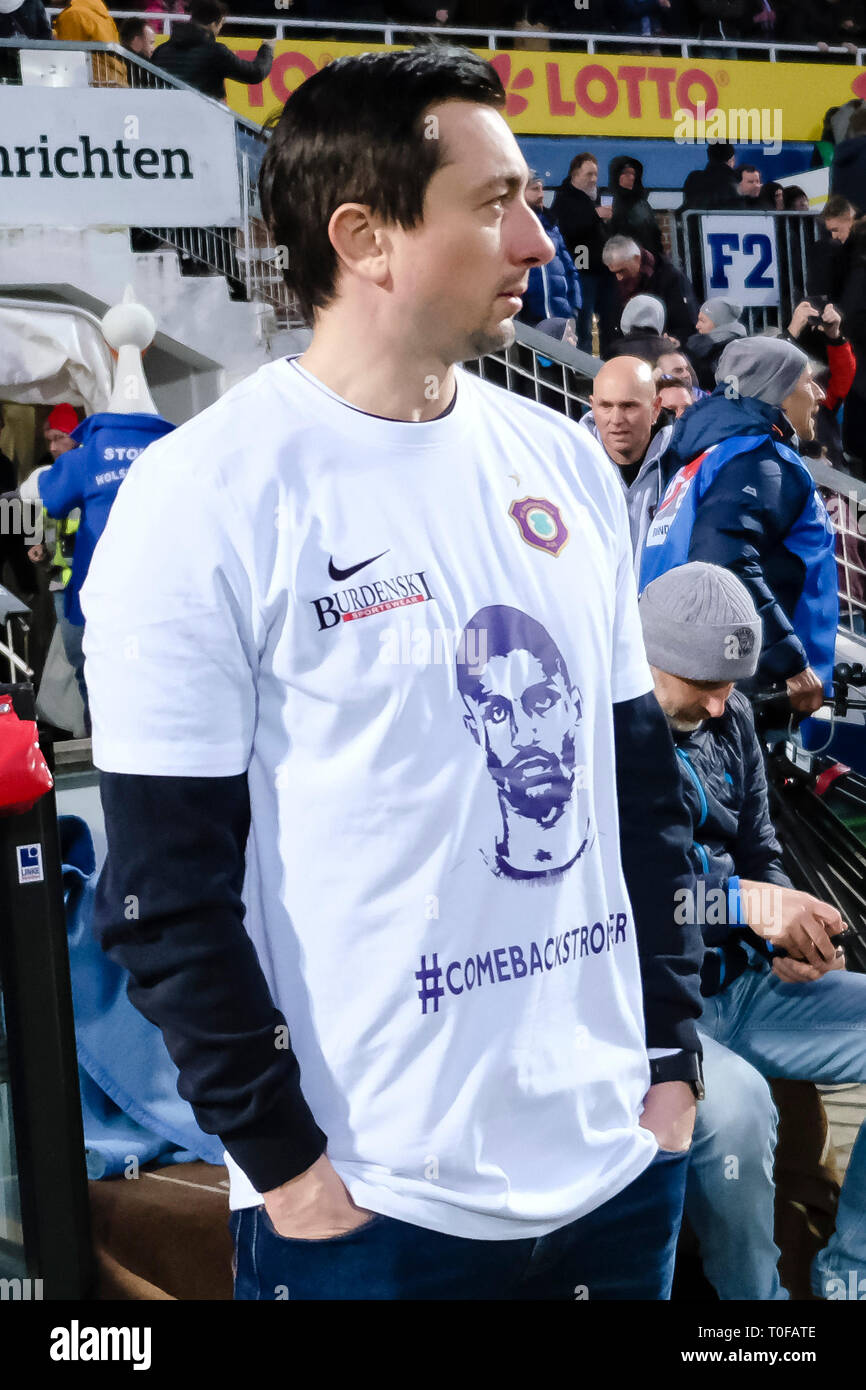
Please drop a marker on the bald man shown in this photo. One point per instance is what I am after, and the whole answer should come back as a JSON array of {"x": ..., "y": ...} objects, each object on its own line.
[{"x": 625, "y": 419}]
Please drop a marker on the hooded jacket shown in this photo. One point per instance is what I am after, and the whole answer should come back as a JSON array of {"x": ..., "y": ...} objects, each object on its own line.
[
  {"x": 658, "y": 276},
  {"x": 574, "y": 212},
  {"x": 643, "y": 494},
  {"x": 632, "y": 215},
  {"x": 193, "y": 55},
  {"x": 89, "y": 478},
  {"x": 725, "y": 788},
  {"x": 760, "y": 517},
  {"x": 705, "y": 349},
  {"x": 89, "y": 21},
  {"x": 553, "y": 290},
  {"x": 713, "y": 188}
]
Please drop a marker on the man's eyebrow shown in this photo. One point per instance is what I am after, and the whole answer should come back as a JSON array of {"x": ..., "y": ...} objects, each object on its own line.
[{"x": 513, "y": 182}]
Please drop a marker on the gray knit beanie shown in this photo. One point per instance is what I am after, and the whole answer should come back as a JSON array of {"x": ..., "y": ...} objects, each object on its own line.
[
  {"x": 722, "y": 311},
  {"x": 699, "y": 623},
  {"x": 767, "y": 369},
  {"x": 643, "y": 311}
]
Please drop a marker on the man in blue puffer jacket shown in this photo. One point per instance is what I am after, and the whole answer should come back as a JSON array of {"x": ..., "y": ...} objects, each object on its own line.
[
  {"x": 739, "y": 496},
  {"x": 554, "y": 289}
]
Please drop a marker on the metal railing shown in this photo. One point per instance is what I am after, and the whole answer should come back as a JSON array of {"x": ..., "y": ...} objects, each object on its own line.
[
  {"x": 796, "y": 233},
  {"x": 845, "y": 498},
  {"x": 559, "y": 376},
  {"x": 392, "y": 32},
  {"x": 245, "y": 254},
  {"x": 543, "y": 369}
]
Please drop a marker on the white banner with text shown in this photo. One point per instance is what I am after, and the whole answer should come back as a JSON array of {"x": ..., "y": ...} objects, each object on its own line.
[{"x": 115, "y": 157}]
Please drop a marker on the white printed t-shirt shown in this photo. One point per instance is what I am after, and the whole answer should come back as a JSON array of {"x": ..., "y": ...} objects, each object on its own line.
[{"x": 410, "y": 636}]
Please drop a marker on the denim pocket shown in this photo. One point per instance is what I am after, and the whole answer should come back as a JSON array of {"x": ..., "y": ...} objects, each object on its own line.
[{"x": 268, "y": 1227}]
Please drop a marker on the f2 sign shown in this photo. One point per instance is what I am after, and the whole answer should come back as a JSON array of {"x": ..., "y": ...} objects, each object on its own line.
[{"x": 740, "y": 258}]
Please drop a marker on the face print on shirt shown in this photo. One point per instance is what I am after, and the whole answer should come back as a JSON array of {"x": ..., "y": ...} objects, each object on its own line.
[{"x": 524, "y": 713}]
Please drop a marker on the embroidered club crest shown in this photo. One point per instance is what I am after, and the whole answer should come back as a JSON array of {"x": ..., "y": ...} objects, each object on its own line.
[{"x": 540, "y": 523}]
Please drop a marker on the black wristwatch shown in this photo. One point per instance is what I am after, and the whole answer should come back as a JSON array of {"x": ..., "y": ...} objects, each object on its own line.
[{"x": 682, "y": 1066}]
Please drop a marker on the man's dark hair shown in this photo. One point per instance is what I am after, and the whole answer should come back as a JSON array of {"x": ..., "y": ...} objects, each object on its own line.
[
  {"x": 579, "y": 161},
  {"x": 720, "y": 154},
  {"x": 857, "y": 123},
  {"x": 206, "y": 12},
  {"x": 130, "y": 30},
  {"x": 837, "y": 206},
  {"x": 790, "y": 193},
  {"x": 747, "y": 169},
  {"x": 354, "y": 132}
]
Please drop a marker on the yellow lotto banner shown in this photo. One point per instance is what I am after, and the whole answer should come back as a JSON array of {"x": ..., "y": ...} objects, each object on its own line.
[{"x": 585, "y": 94}]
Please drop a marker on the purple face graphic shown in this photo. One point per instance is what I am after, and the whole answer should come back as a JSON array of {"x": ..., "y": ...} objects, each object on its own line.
[{"x": 522, "y": 710}]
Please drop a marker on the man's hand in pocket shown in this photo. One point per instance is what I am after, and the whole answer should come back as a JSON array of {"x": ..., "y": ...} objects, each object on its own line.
[
  {"x": 669, "y": 1110},
  {"x": 314, "y": 1206}
]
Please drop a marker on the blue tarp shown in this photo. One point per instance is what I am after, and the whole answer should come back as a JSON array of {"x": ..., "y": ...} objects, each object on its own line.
[{"x": 129, "y": 1099}]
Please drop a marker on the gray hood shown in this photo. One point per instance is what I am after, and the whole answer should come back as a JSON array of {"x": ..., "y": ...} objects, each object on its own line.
[{"x": 644, "y": 495}]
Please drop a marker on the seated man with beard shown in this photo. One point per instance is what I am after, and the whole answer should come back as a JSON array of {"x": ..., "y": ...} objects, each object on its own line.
[{"x": 777, "y": 999}]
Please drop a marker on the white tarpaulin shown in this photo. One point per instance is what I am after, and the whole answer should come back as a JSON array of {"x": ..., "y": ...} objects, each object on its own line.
[
  {"x": 47, "y": 355},
  {"x": 124, "y": 158}
]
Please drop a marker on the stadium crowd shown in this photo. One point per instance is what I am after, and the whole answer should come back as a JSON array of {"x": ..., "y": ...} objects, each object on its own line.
[{"x": 836, "y": 24}]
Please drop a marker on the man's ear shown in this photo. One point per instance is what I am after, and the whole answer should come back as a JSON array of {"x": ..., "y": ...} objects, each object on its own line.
[
  {"x": 357, "y": 237},
  {"x": 657, "y": 405}
]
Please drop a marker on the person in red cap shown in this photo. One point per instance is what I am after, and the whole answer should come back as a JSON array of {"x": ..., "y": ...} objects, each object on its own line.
[{"x": 58, "y": 429}]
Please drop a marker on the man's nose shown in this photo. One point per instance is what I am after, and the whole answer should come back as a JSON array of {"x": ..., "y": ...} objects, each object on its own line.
[
  {"x": 529, "y": 241},
  {"x": 523, "y": 730}
]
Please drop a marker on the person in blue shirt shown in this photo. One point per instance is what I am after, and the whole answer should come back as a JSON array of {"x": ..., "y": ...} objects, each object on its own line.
[
  {"x": 87, "y": 477},
  {"x": 554, "y": 289}
]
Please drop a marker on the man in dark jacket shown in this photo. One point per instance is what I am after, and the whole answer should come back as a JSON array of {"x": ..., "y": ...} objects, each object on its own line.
[
  {"x": 771, "y": 1008},
  {"x": 718, "y": 325},
  {"x": 738, "y": 495},
  {"x": 641, "y": 331},
  {"x": 639, "y": 272},
  {"x": 553, "y": 291},
  {"x": 632, "y": 214},
  {"x": 193, "y": 55},
  {"x": 581, "y": 219},
  {"x": 715, "y": 186}
]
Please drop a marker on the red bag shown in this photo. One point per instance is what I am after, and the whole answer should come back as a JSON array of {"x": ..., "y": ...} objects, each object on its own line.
[{"x": 24, "y": 775}]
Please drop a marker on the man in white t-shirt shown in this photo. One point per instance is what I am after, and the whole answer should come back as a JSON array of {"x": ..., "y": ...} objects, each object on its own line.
[{"x": 394, "y": 821}]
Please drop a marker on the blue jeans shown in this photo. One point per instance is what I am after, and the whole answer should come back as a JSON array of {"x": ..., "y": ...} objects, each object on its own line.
[
  {"x": 623, "y": 1250},
  {"x": 760, "y": 1027}
]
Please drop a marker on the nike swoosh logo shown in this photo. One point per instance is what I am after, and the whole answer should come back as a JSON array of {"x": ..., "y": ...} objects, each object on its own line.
[{"x": 339, "y": 575}]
